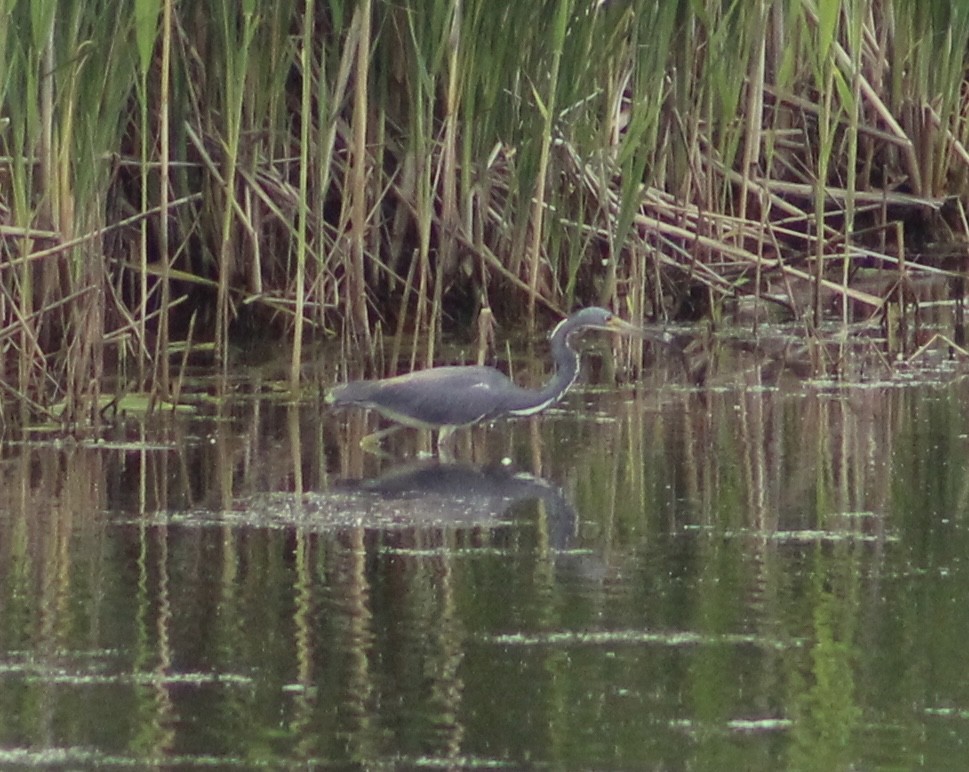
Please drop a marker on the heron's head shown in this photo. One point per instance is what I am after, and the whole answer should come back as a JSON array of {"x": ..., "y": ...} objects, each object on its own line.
[{"x": 596, "y": 318}]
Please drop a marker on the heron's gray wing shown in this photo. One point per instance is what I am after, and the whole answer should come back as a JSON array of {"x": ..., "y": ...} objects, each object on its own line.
[{"x": 440, "y": 396}]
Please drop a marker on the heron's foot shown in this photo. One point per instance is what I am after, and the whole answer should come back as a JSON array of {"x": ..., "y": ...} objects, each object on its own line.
[{"x": 371, "y": 445}]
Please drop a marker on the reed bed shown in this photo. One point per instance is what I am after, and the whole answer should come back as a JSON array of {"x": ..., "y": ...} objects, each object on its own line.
[{"x": 174, "y": 177}]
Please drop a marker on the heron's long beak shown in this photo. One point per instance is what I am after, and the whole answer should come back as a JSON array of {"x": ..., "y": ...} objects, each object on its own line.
[
  {"x": 621, "y": 326},
  {"x": 615, "y": 324}
]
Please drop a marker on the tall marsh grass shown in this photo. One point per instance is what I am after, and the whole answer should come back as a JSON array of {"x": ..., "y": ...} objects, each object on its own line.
[{"x": 173, "y": 175}]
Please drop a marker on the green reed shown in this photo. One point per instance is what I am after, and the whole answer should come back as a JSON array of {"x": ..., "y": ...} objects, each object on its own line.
[{"x": 364, "y": 167}]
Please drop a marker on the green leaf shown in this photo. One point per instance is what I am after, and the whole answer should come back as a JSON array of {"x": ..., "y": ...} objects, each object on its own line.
[
  {"x": 146, "y": 30},
  {"x": 41, "y": 19},
  {"x": 828, "y": 11}
]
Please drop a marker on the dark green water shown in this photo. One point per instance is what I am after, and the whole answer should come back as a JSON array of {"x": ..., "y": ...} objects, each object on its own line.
[{"x": 739, "y": 576}]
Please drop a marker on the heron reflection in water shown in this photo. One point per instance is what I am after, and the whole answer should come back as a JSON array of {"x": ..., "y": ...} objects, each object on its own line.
[
  {"x": 436, "y": 493},
  {"x": 451, "y": 397}
]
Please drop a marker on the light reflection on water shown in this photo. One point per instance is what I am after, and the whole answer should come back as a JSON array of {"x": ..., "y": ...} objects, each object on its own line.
[{"x": 734, "y": 576}]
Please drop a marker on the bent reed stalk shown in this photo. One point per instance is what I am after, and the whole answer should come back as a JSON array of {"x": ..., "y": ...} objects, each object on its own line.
[{"x": 361, "y": 166}]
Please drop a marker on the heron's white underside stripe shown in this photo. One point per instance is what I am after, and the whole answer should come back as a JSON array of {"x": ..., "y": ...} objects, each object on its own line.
[
  {"x": 416, "y": 423},
  {"x": 531, "y": 410},
  {"x": 542, "y": 405}
]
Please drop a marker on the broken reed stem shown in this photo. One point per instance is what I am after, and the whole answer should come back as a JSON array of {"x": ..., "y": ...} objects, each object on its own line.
[
  {"x": 357, "y": 296},
  {"x": 903, "y": 288},
  {"x": 161, "y": 386},
  {"x": 548, "y": 111},
  {"x": 420, "y": 314},
  {"x": 402, "y": 309},
  {"x": 142, "y": 361},
  {"x": 183, "y": 367},
  {"x": 296, "y": 355}
]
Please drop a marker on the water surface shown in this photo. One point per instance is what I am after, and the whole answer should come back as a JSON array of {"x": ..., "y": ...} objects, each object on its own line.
[{"x": 747, "y": 571}]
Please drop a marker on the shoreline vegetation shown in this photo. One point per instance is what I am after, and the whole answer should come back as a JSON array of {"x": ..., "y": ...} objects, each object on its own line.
[{"x": 178, "y": 178}]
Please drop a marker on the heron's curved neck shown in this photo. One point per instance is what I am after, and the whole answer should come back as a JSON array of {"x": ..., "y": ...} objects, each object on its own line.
[
  {"x": 566, "y": 369},
  {"x": 566, "y": 361}
]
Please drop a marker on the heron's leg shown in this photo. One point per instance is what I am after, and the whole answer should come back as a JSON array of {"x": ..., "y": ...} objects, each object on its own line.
[
  {"x": 444, "y": 443},
  {"x": 371, "y": 443}
]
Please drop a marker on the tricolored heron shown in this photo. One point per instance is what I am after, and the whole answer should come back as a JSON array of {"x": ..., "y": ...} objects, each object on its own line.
[{"x": 447, "y": 398}]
